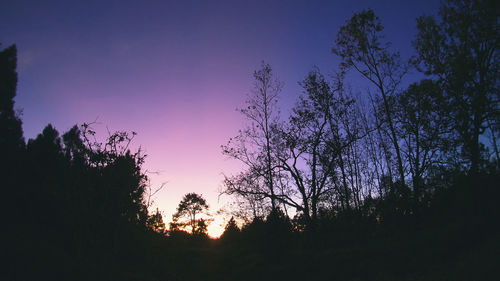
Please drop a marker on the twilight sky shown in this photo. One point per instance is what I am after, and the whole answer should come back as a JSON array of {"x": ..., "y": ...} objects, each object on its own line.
[{"x": 175, "y": 71}]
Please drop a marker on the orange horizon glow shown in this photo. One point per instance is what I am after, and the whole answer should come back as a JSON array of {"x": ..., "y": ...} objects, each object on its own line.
[{"x": 215, "y": 227}]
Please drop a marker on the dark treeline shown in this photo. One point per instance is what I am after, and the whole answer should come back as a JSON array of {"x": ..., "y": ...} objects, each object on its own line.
[
  {"x": 397, "y": 183},
  {"x": 74, "y": 208}
]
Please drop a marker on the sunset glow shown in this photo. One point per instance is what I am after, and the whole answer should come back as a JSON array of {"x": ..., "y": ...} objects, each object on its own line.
[
  {"x": 173, "y": 71},
  {"x": 298, "y": 140}
]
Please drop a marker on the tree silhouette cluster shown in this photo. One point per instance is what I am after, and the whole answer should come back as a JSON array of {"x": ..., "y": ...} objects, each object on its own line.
[
  {"x": 350, "y": 183},
  {"x": 376, "y": 154},
  {"x": 76, "y": 207}
]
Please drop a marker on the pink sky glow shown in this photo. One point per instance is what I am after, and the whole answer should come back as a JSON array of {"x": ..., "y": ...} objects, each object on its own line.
[{"x": 174, "y": 71}]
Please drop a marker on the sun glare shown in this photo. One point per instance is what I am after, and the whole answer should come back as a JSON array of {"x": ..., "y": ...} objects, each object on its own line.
[{"x": 216, "y": 227}]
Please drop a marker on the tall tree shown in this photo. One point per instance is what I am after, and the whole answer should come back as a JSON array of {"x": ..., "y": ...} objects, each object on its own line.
[
  {"x": 312, "y": 144},
  {"x": 461, "y": 50},
  {"x": 11, "y": 135},
  {"x": 424, "y": 129},
  {"x": 253, "y": 146},
  {"x": 304, "y": 152},
  {"x": 360, "y": 47}
]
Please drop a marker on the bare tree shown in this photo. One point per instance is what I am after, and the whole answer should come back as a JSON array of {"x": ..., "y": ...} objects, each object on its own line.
[
  {"x": 253, "y": 145},
  {"x": 313, "y": 142},
  {"x": 359, "y": 46}
]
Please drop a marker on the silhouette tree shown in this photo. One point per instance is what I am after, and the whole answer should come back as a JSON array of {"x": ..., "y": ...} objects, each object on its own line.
[
  {"x": 349, "y": 130},
  {"x": 11, "y": 137},
  {"x": 155, "y": 222},
  {"x": 202, "y": 227},
  {"x": 254, "y": 144},
  {"x": 11, "y": 134},
  {"x": 461, "y": 50},
  {"x": 424, "y": 129},
  {"x": 359, "y": 46},
  {"x": 247, "y": 207},
  {"x": 192, "y": 204},
  {"x": 309, "y": 149},
  {"x": 74, "y": 147},
  {"x": 305, "y": 153},
  {"x": 231, "y": 229}
]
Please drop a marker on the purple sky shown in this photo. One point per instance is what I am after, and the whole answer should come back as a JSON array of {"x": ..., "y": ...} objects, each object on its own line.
[{"x": 175, "y": 71}]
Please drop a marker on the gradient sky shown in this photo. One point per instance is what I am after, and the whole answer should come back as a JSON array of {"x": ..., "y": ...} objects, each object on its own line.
[{"x": 175, "y": 71}]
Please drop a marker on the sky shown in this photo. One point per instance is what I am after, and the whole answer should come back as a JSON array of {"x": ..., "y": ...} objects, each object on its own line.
[{"x": 175, "y": 71}]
